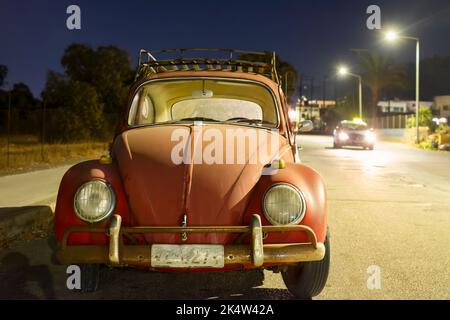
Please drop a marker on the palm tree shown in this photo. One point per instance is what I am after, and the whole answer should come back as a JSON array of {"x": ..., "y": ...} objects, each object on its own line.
[{"x": 378, "y": 73}]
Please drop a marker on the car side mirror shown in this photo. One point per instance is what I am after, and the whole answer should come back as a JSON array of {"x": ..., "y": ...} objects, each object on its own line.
[{"x": 305, "y": 126}]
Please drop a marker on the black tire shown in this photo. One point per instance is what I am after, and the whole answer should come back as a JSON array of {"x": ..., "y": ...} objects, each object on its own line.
[
  {"x": 90, "y": 277},
  {"x": 307, "y": 280},
  {"x": 370, "y": 147},
  {"x": 336, "y": 146}
]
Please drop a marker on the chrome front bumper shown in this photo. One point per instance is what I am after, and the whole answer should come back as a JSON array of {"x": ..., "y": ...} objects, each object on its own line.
[{"x": 257, "y": 253}]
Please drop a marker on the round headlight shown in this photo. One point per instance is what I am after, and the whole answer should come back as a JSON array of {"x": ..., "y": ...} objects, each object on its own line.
[
  {"x": 284, "y": 204},
  {"x": 343, "y": 136},
  {"x": 94, "y": 201}
]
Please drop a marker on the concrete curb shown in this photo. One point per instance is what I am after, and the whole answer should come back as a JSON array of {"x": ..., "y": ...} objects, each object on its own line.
[{"x": 17, "y": 222}]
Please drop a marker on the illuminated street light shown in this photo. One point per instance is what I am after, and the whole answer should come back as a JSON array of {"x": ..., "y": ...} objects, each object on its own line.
[
  {"x": 391, "y": 36},
  {"x": 343, "y": 71}
]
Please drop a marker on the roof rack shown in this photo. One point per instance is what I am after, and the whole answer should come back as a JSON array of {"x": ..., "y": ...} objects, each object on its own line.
[{"x": 234, "y": 61}]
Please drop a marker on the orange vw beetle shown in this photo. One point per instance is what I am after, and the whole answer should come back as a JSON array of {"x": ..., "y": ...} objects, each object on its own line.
[{"x": 203, "y": 175}]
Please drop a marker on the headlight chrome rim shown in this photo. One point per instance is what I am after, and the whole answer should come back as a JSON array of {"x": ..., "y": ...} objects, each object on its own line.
[
  {"x": 302, "y": 199},
  {"x": 107, "y": 213}
]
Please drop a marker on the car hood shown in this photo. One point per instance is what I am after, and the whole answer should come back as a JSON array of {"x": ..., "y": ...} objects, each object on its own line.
[
  {"x": 160, "y": 192},
  {"x": 357, "y": 132}
]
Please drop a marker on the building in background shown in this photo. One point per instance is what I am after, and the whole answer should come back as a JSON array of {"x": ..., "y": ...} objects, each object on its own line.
[
  {"x": 402, "y": 106},
  {"x": 441, "y": 106},
  {"x": 313, "y": 110}
]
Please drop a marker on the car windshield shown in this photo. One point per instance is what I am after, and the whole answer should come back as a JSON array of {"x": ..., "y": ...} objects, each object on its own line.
[
  {"x": 354, "y": 126},
  {"x": 230, "y": 101}
]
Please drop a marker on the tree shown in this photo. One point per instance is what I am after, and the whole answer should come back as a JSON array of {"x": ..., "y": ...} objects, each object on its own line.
[
  {"x": 434, "y": 78},
  {"x": 3, "y": 74},
  {"x": 21, "y": 97},
  {"x": 79, "y": 112},
  {"x": 108, "y": 69},
  {"x": 379, "y": 72},
  {"x": 99, "y": 79},
  {"x": 348, "y": 107}
]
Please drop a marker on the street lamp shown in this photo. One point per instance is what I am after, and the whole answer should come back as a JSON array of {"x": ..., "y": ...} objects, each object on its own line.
[
  {"x": 343, "y": 71},
  {"x": 391, "y": 36}
]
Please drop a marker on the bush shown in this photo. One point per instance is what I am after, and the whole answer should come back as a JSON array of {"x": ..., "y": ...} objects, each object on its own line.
[
  {"x": 425, "y": 120},
  {"x": 443, "y": 129}
]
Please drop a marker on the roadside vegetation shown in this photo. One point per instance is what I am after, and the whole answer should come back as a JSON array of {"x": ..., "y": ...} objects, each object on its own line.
[
  {"x": 74, "y": 118},
  {"x": 27, "y": 154}
]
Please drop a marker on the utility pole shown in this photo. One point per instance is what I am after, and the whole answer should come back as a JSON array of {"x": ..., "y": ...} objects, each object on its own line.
[
  {"x": 43, "y": 129},
  {"x": 417, "y": 90},
  {"x": 324, "y": 81},
  {"x": 8, "y": 136}
]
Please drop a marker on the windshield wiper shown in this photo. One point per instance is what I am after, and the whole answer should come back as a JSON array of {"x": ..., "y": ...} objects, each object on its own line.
[
  {"x": 246, "y": 120},
  {"x": 199, "y": 119}
]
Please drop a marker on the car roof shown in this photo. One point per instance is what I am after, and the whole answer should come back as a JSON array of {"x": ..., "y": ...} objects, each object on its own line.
[
  {"x": 353, "y": 122},
  {"x": 250, "y": 63}
]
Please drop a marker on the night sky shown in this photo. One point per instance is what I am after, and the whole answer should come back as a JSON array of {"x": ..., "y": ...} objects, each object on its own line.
[{"x": 312, "y": 35}]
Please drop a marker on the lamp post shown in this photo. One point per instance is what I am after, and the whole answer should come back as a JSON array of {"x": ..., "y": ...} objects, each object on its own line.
[
  {"x": 343, "y": 71},
  {"x": 391, "y": 36},
  {"x": 8, "y": 136}
]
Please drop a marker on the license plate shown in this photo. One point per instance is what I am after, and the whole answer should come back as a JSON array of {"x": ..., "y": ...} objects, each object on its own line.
[{"x": 187, "y": 256}]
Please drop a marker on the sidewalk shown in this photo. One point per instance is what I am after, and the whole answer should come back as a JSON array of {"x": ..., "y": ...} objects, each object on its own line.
[
  {"x": 30, "y": 188},
  {"x": 27, "y": 201}
]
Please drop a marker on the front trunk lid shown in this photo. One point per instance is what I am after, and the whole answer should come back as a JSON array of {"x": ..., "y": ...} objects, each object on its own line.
[{"x": 161, "y": 191}]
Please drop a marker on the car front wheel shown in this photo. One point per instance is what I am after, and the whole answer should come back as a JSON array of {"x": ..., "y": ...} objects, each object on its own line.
[
  {"x": 307, "y": 280},
  {"x": 90, "y": 277}
]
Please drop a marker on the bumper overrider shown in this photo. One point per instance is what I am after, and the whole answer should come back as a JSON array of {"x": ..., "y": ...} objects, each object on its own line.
[{"x": 257, "y": 253}]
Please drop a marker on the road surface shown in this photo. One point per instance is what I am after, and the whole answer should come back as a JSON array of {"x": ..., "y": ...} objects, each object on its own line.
[{"x": 389, "y": 211}]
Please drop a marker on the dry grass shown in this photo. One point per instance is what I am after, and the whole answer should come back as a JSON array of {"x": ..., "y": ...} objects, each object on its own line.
[{"x": 30, "y": 156}]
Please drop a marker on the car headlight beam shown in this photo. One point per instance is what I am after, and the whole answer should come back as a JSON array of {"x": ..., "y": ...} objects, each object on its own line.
[
  {"x": 370, "y": 137},
  {"x": 94, "y": 201},
  {"x": 343, "y": 136},
  {"x": 284, "y": 204}
]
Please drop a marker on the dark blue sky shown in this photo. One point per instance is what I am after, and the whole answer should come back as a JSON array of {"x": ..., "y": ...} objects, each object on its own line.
[{"x": 312, "y": 35}]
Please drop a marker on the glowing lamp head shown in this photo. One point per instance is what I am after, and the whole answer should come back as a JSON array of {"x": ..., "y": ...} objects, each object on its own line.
[
  {"x": 391, "y": 36},
  {"x": 342, "y": 71}
]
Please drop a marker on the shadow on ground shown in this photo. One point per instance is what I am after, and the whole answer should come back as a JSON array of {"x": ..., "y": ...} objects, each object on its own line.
[
  {"x": 21, "y": 280},
  {"x": 27, "y": 272},
  {"x": 24, "y": 223}
]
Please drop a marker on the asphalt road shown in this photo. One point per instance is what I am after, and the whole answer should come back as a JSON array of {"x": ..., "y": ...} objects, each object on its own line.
[{"x": 388, "y": 208}]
